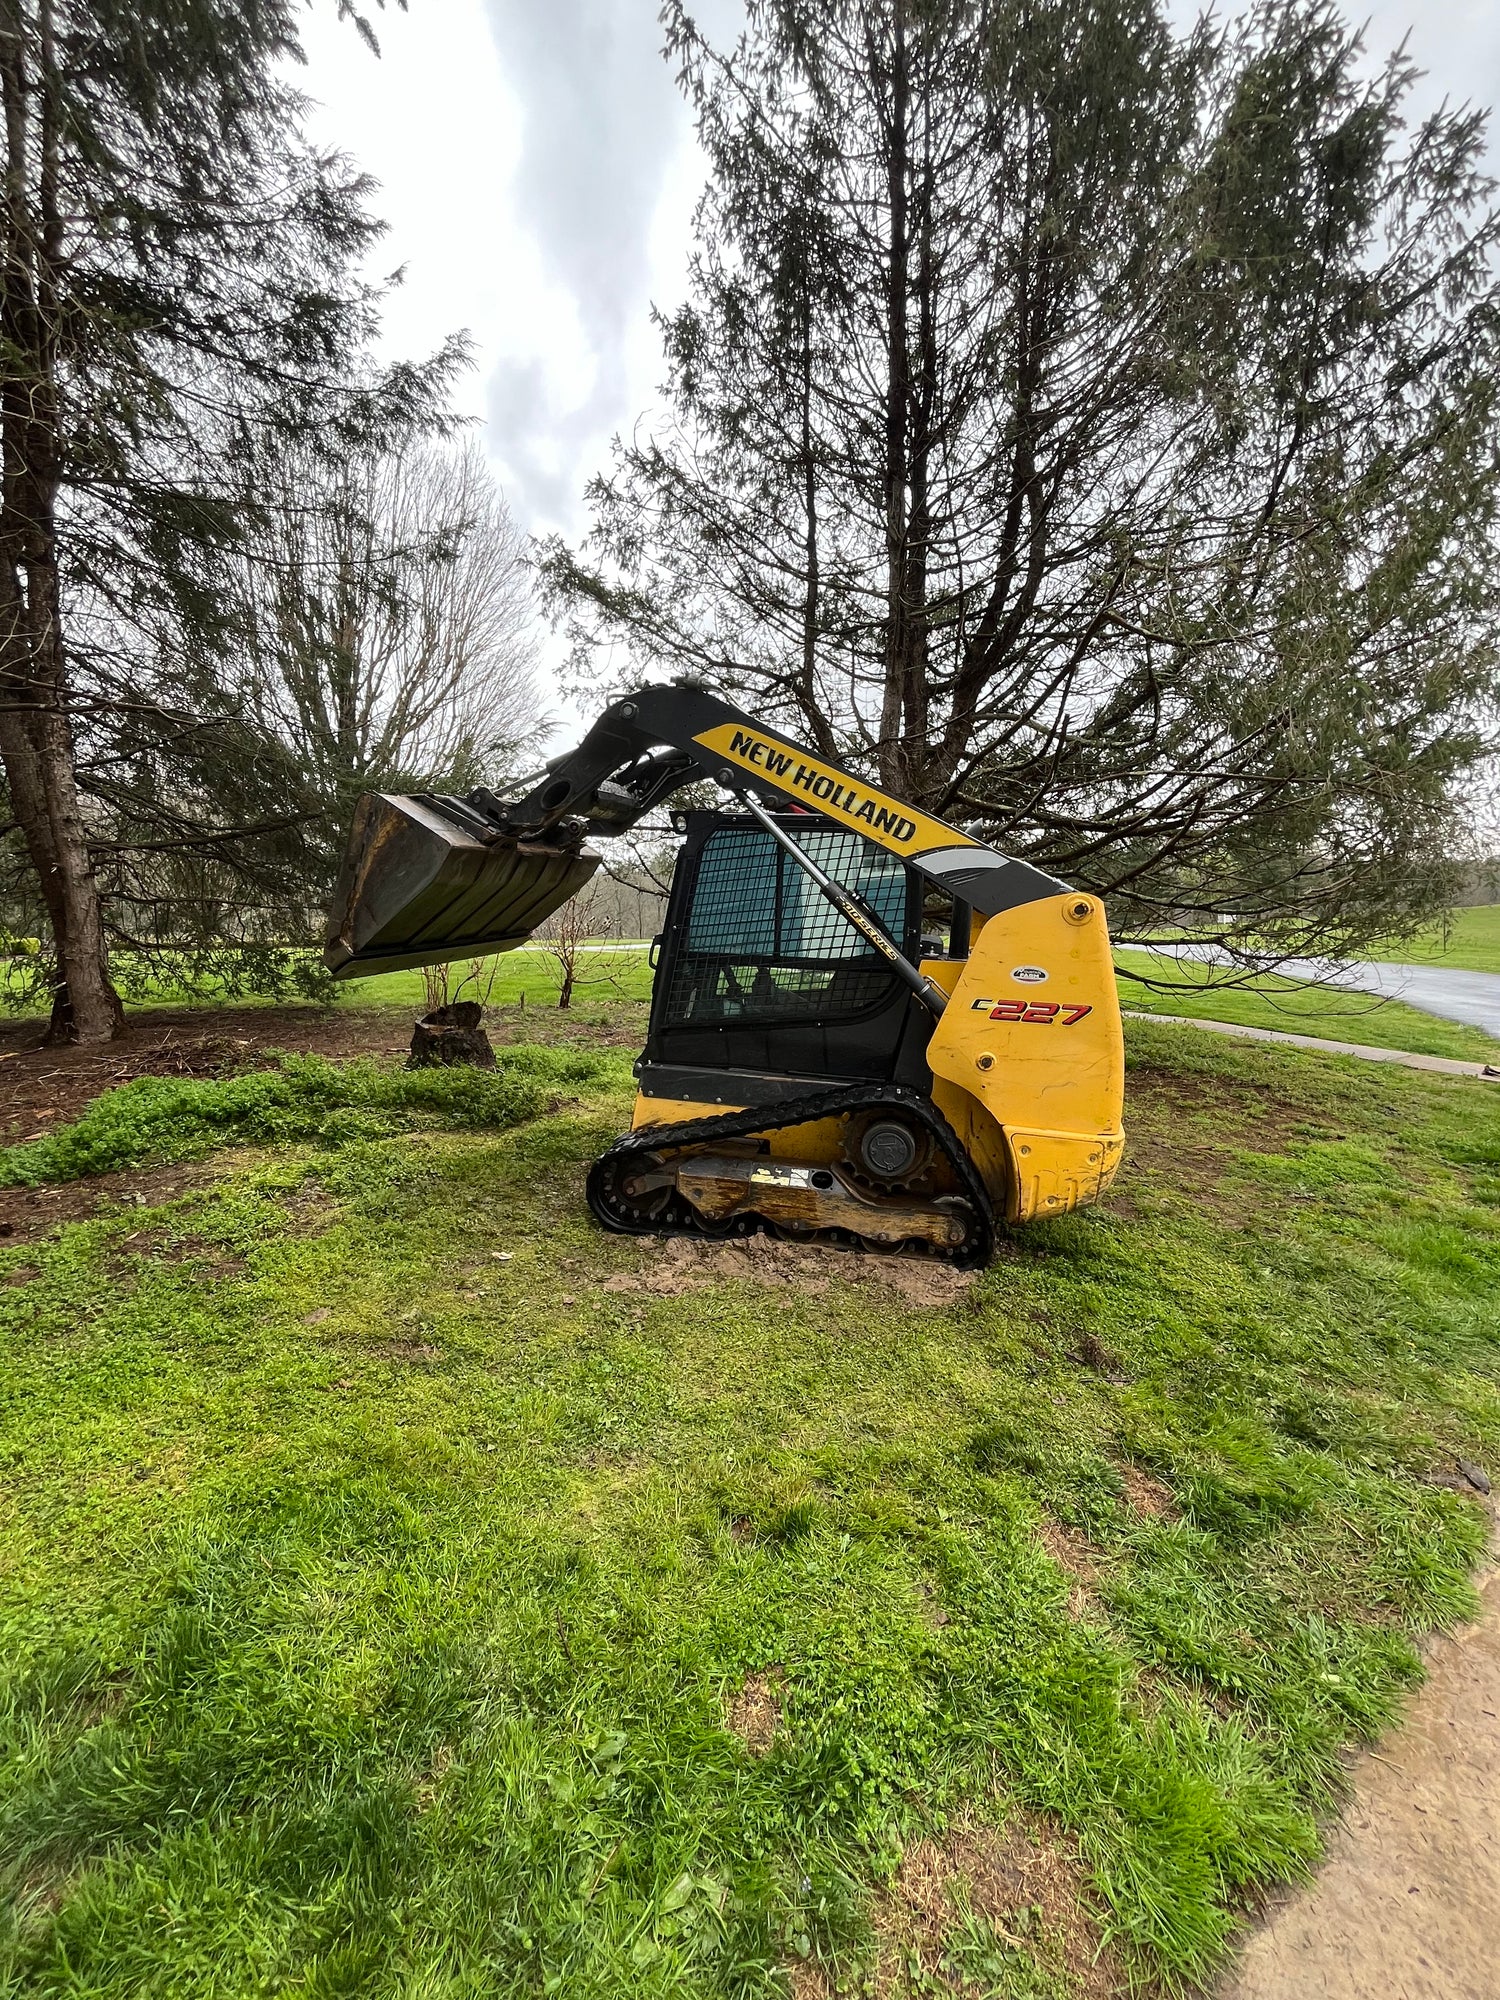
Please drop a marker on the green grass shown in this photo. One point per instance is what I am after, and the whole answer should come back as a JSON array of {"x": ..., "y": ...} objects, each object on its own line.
[
  {"x": 381, "y": 1548},
  {"x": 1471, "y": 941},
  {"x": 607, "y": 974},
  {"x": 1271, "y": 1002},
  {"x": 611, "y": 973}
]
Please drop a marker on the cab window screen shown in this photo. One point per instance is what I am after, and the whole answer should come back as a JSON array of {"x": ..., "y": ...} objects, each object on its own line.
[{"x": 762, "y": 942}]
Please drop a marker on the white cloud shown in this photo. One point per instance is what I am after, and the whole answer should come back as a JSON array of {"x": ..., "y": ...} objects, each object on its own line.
[{"x": 538, "y": 173}]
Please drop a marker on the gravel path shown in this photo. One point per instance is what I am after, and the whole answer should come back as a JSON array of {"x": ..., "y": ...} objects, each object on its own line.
[{"x": 1407, "y": 1904}]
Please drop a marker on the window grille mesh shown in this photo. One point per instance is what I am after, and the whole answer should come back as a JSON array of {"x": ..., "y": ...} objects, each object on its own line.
[{"x": 763, "y": 944}]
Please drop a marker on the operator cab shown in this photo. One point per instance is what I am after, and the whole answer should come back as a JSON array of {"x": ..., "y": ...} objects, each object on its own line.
[{"x": 764, "y": 990}]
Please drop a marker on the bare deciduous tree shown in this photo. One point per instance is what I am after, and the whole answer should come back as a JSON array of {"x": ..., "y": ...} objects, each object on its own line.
[
  {"x": 390, "y": 626},
  {"x": 569, "y": 937}
]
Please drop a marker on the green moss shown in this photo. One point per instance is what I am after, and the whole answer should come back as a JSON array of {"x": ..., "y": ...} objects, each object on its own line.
[{"x": 304, "y": 1097}]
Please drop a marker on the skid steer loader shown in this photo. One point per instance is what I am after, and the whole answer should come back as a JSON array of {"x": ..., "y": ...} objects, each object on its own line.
[{"x": 817, "y": 1065}]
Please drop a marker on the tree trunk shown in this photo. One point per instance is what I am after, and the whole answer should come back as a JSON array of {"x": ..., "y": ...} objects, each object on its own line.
[
  {"x": 565, "y": 997},
  {"x": 36, "y": 734},
  {"x": 893, "y": 773},
  {"x": 36, "y": 749}
]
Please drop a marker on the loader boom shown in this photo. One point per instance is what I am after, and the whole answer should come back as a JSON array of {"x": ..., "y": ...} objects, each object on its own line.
[{"x": 649, "y": 743}]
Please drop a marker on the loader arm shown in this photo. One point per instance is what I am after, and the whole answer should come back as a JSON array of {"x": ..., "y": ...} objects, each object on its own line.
[
  {"x": 649, "y": 743},
  {"x": 430, "y": 878}
]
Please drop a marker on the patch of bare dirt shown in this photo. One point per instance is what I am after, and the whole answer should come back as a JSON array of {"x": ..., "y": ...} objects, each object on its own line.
[
  {"x": 932, "y": 1607},
  {"x": 1089, "y": 1351},
  {"x": 1185, "y": 1132},
  {"x": 1149, "y": 1495},
  {"x": 27, "y": 1214},
  {"x": 1024, "y": 1880},
  {"x": 426, "y": 1789},
  {"x": 422, "y": 1352},
  {"x": 164, "y": 1245},
  {"x": 754, "y": 1712},
  {"x": 678, "y": 1264},
  {"x": 806, "y": 1980},
  {"x": 43, "y": 1087},
  {"x": 1075, "y": 1554}
]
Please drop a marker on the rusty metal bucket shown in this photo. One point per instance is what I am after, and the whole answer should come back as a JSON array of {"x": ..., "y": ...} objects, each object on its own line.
[{"x": 421, "y": 884}]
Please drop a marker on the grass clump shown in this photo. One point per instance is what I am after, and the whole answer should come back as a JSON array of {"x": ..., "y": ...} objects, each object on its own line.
[{"x": 303, "y": 1098}]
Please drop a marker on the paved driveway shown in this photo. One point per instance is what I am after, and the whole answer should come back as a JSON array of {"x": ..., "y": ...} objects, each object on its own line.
[{"x": 1447, "y": 991}]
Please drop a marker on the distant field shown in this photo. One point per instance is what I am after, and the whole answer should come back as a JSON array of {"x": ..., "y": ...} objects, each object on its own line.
[
  {"x": 620, "y": 973},
  {"x": 1299, "y": 1010},
  {"x": 1471, "y": 942}
]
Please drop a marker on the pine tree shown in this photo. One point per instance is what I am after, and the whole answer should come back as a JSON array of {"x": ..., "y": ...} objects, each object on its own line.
[
  {"x": 177, "y": 282},
  {"x": 1089, "y": 429}
]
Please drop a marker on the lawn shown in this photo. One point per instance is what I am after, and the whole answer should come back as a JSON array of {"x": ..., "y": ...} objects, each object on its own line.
[
  {"x": 1470, "y": 941},
  {"x": 1291, "y": 1008},
  {"x": 611, "y": 971},
  {"x": 410, "y": 1591},
  {"x": 612, "y": 977}
]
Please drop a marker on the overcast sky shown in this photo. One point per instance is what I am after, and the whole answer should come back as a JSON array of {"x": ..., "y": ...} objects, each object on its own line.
[{"x": 538, "y": 175}]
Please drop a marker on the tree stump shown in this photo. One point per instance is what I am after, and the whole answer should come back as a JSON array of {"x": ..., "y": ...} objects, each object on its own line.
[{"x": 451, "y": 1035}]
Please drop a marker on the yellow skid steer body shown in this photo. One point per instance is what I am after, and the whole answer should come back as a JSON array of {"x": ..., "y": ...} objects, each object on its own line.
[{"x": 816, "y": 1065}]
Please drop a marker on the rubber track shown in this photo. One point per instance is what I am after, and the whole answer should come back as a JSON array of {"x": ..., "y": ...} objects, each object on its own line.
[{"x": 682, "y": 1219}]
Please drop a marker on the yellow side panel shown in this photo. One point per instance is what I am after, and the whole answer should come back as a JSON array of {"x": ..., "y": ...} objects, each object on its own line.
[
  {"x": 981, "y": 1138},
  {"x": 672, "y": 1110},
  {"x": 1033, "y": 1033}
]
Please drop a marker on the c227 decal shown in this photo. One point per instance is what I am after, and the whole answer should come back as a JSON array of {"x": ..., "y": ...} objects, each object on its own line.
[{"x": 1042, "y": 1013}]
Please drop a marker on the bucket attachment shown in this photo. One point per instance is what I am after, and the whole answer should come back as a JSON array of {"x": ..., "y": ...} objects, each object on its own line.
[{"x": 425, "y": 880}]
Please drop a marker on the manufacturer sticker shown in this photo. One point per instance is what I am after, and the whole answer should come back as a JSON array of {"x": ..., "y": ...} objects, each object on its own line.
[{"x": 1030, "y": 975}]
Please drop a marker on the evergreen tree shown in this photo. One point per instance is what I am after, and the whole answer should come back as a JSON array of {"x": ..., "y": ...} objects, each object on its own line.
[
  {"x": 176, "y": 286},
  {"x": 1089, "y": 430}
]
